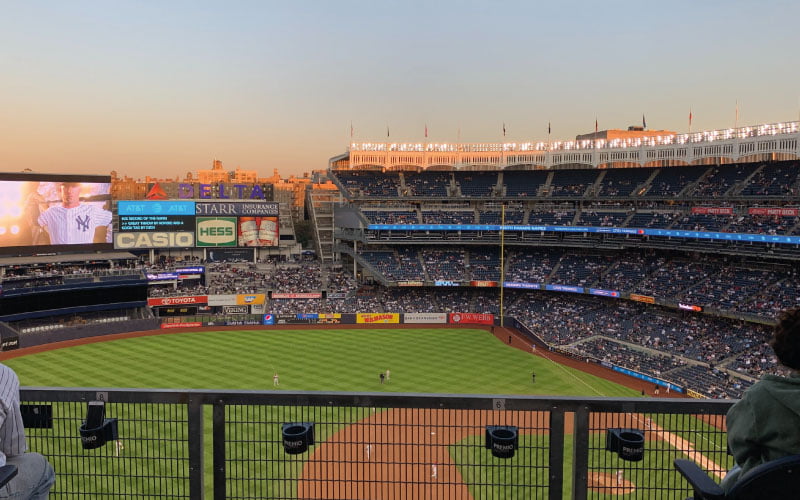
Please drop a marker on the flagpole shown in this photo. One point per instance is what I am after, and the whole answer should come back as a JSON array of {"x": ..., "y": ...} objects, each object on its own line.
[
  {"x": 503, "y": 148},
  {"x": 549, "y": 145},
  {"x": 502, "y": 259}
]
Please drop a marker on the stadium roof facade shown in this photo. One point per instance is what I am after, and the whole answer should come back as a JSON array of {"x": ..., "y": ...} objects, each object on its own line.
[{"x": 768, "y": 142}]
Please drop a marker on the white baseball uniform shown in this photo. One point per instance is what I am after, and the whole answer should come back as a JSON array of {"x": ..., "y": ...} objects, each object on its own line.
[{"x": 67, "y": 226}]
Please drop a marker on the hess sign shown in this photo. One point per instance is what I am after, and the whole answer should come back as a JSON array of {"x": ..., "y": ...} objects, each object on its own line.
[{"x": 216, "y": 231}]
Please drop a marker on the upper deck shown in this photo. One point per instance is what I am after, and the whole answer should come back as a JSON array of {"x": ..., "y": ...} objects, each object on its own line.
[{"x": 768, "y": 142}]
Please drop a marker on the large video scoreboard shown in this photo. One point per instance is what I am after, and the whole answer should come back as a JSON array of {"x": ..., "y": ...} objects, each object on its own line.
[
  {"x": 48, "y": 213},
  {"x": 188, "y": 224}
]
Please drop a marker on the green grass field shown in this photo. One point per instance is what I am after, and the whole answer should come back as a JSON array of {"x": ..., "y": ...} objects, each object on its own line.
[
  {"x": 458, "y": 361},
  {"x": 455, "y": 361}
]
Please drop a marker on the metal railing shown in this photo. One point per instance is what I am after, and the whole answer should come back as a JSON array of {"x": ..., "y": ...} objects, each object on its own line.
[{"x": 229, "y": 444}]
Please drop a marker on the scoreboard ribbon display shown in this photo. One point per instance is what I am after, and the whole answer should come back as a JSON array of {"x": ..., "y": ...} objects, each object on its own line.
[{"x": 136, "y": 223}]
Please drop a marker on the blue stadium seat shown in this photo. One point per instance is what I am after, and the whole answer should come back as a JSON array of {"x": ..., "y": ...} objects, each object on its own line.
[
  {"x": 7, "y": 473},
  {"x": 776, "y": 479}
]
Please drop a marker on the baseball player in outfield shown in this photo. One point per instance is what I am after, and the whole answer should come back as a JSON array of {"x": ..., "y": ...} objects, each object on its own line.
[{"x": 74, "y": 222}]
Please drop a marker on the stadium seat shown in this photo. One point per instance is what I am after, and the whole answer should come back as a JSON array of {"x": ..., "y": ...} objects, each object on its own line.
[
  {"x": 7, "y": 473},
  {"x": 776, "y": 479}
]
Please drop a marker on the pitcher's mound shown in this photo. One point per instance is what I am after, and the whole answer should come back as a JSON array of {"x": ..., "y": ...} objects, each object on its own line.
[{"x": 601, "y": 482}]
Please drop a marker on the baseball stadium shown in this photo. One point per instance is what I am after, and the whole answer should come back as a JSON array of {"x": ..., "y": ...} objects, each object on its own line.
[{"x": 552, "y": 319}]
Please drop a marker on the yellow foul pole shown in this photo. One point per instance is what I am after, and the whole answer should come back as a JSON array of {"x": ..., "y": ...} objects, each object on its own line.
[{"x": 502, "y": 260}]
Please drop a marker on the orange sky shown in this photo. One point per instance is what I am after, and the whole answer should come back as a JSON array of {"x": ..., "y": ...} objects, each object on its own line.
[{"x": 162, "y": 88}]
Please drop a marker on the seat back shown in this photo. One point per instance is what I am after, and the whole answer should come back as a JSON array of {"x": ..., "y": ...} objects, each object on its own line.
[
  {"x": 7, "y": 473},
  {"x": 776, "y": 479}
]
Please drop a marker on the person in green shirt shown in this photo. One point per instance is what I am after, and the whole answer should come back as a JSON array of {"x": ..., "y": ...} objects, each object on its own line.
[{"x": 765, "y": 424}]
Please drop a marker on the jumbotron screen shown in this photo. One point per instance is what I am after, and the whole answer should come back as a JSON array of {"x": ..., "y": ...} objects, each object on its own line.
[
  {"x": 189, "y": 224},
  {"x": 42, "y": 213}
]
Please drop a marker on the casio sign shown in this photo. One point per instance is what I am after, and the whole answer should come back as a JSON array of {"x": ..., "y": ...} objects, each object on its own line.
[{"x": 154, "y": 240}]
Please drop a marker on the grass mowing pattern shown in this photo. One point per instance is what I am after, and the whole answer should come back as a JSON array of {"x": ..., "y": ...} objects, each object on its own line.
[
  {"x": 458, "y": 361},
  {"x": 420, "y": 360}
]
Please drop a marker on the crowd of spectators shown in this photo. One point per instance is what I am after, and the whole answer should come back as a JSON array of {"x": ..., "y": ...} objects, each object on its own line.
[
  {"x": 448, "y": 217},
  {"x": 773, "y": 180},
  {"x": 679, "y": 347},
  {"x": 443, "y": 264},
  {"x": 764, "y": 224},
  {"x": 756, "y": 289},
  {"x": 620, "y": 354},
  {"x": 427, "y": 183},
  {"x": 391, "y": 216},
  {"x": 721, "y": 179},
  {"x": 370, "y": 184}
]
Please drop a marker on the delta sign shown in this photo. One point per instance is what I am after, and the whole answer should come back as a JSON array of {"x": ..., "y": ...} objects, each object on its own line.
[{"x": 224, "y": 192}]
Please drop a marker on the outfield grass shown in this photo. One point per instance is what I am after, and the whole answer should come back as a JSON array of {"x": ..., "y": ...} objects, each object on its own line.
[
  {"x": 468, "y": 361},
  {"x": 458, "y": 361}
]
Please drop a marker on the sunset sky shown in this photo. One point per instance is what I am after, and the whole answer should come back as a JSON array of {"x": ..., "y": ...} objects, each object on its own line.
[{"x": 164, "y": 87}]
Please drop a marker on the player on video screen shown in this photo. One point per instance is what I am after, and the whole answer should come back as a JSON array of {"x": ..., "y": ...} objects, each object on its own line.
[{"x": 73, "y": 221}]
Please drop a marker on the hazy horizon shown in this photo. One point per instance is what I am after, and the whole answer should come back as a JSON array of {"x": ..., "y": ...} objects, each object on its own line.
[{"x": 159, "y": 89}]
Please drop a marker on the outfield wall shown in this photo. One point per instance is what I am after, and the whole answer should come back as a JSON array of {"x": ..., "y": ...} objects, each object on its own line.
[{"x": 76, "y": 332}]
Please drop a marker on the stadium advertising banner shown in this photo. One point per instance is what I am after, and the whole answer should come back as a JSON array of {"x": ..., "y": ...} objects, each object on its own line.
[
  {"x": 446, "y": 283},
  {"x": 258, "y": 232},
  {"x": 162, "y": 276},
  {"x": 188, "y": 324},
  {"x": 690, "y": 307},
  {"x": 177, "y": 311},
  {"x": 410, "y": 283},
  {"x": 191, "y": 270},
  {"x": 235, "y": 310},
  {"x": 294, "y": 319},
  {"x": 186, "y": 224},
  {"x": 483, "y": 283},
  {"x": 229, "y": 254},
  {"x": 177, "y": 301},
  {"x": 268, "y": 319},
  {"x": 302, "y": 295},
  {"x": 564, "y": 288},
  {"x": 135, "y": 223},
  {"x": 50, "y": 213},
  {"x": 127, "y": 241},
  {"x": 668, "y": 233},
  {"x": 713, "y": 210},
  {"x": 471, "y": 318},
  {"x": 223, "y": 191},
  {"x": 647, "y": 378},
  {"x": 251, "y": 298},
  {"x": 371, "y": 318},
  {"x": 222, "y": 300},
  {"x": 642, "y": 298},
  {"x": 9, "y": 342},
  {"x": 694, "y": 394},
  {"x": 127, "y": 208},
  {"x": 256, "y": 224},
  {"x": 238, "y": 209},
  {"x": 604, "y": 293},
  {"x": 329, "y": 318},
  {"x": 216, "y": 231},
  {"x": 412, "y": 318},
  {"x": 525, "y": 286},
  {"x": 241, "y": 322},
  {"x": 783, "y": 212}
]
